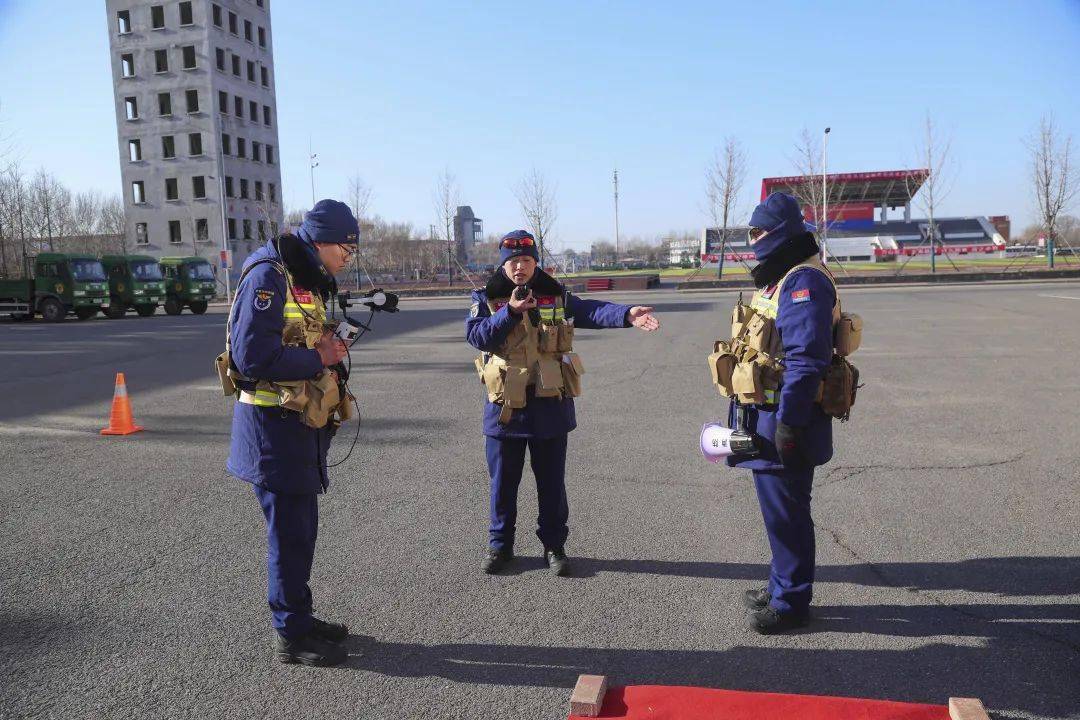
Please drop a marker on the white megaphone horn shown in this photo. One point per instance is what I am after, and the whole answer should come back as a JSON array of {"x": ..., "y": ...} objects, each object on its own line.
[{"x": 719, "y": 442}]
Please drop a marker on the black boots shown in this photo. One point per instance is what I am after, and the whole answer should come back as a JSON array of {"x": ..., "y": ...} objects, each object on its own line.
[
  {"x": 768, "y": 621},
  {"x": 557, "y": 561},
  {"x": 756, "y": 599},
  {"x": 496, "y": 560},
  {"x": 309, "y": 650},
  {"x": 319, "y": 648}
]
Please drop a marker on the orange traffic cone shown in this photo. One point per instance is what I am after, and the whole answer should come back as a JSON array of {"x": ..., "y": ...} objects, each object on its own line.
[{"x": 120, "y": 421}]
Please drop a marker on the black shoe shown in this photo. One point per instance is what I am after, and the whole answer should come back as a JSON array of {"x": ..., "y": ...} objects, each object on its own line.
[
  {"x": 328, "y": 631},
  {"x": 496, "y": 560},
  {"x": 756, "y": 599},
  {"x": 558, "y": 562},
  {"x": 309, "y": 650},
  {"x": 770, "y": 622}
]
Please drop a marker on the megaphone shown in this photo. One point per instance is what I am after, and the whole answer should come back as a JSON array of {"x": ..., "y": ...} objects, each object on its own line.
[{"x": 719, "y": 442}]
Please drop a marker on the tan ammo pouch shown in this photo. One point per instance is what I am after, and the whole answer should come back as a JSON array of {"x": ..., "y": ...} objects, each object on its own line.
[
  {"x": 740, "y": 315},
  {"x": 547, "y": 338},
  {"x": 293, "y": 393},
  {"x": 848, "y": 334},
  {"x": 759, "y": 333},
  {"x": 839, "y": 387},
  {"x": 493, "y": 375},
  {"x": 549, "y": 377},
  {"x": 746, "y": 383},
  {"x": 323, "y": 399},
  {"x": 566, "y": 338},
  {"x": 572, "y": 370},
  {"x": 344, "y": 408},
  {"x": 516, "y": 383},
  {"x": 721, "y": 365},
  {"x": 223, "y": 366}
]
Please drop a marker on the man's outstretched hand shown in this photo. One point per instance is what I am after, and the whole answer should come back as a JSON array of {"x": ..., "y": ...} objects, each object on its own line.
[{"x": 642, "y": 318}]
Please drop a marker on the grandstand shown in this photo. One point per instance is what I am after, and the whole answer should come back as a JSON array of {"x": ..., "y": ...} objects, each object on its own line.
[{"x": 859, "y": 227}]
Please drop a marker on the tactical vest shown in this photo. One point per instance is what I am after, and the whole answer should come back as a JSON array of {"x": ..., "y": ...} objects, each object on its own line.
[
  {"x": 319, "y": 400},
  {"x": 749, "y": 368},
  {"x": 539, "y": 354}
]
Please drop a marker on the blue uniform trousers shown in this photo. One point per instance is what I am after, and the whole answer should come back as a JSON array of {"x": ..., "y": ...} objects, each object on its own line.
[
  {"x": 292, "y": 523},
  {"x": 784, "y": 496},
  {"x": 506, "y": 460}
]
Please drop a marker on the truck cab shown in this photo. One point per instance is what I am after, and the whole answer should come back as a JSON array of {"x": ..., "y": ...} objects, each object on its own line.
[
  {"x": 59, "y": 284},
  {"x": 135, "y": 281},
  {"x": 189, "y": 282}
]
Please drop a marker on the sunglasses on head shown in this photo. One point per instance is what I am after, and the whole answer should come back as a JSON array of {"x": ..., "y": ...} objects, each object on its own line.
[{"x": 518, "y": 242}]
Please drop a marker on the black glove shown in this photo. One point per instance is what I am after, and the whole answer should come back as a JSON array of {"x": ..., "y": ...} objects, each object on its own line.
[{"x": 790, "y": 446}]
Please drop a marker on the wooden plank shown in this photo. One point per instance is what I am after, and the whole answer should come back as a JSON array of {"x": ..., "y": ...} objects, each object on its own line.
[
  {"x": 967, "y": 709},
  {"x": 588, "y": 696}
]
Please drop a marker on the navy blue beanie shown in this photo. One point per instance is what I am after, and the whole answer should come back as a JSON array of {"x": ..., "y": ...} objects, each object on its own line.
[
  {"x": 505, "y": 253},
  {"x": 780, "y": 215},
  {"x": 330, "y": 221}
]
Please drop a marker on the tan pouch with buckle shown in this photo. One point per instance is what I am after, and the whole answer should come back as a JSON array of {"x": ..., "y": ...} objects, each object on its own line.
[{"x": 848, "y": 334}]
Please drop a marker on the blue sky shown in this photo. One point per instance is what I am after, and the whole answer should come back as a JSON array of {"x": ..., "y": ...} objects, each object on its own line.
[{"x": 398, "y": 91}]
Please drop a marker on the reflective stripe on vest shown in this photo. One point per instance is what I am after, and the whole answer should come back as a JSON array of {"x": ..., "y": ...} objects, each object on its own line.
[
  {"x": 552, "y": 314},
  {"x": 262, "y": 398},
  {"x": 767, "y": 306},
  {"x": 295, "y": 311}
]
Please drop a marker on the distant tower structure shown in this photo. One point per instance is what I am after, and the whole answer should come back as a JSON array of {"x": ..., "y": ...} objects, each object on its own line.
[
  {"x": 468, "y": 231},
  {"x": 196, "y": 120}
]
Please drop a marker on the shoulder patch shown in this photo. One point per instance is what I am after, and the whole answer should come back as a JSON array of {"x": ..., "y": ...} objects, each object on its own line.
[
  {"x": 263, "y": 296},
  {"x": 798, "y": 296},
  {"x": 474, "y": 310}
]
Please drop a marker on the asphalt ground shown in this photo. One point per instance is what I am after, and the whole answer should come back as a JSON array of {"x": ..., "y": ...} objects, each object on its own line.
[{"x": 132, "y": 569}]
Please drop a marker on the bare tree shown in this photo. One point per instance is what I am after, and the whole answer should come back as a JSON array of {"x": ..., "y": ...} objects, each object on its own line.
[
  {"x": 447, "y": 197},
  {"x": 111, "y": 221},
  {"x": 536, "y": 195},
  {"x": 724, "y": 178},
  {"x": 1055, "y": 179},
  {"x": 359, "y": 196},
  {"x": 933, "y": 154}
]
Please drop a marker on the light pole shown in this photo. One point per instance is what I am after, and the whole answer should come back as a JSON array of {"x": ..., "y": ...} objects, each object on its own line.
[
  {"x": 824, "y": 220},
  {"x": 616, "y": 182},
  {"x": 314, "y": 164},
  {"x": 224, "y": 227}
]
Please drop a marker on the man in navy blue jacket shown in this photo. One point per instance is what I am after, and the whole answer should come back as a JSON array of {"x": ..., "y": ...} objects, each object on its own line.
[
  {"x": 497, "y": 320},
  {"x": 283, "y": 458},
  {"x": 795, "y": 435}
]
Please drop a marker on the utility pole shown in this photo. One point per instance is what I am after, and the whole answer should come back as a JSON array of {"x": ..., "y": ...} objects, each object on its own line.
[
  {"x": 616, "y": 182},
  {"x": 824, "y": 221},
  {"x": 224, "y": 227}
]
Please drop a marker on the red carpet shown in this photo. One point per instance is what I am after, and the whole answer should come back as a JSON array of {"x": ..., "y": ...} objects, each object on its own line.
[{"x": 661, "y": 702}]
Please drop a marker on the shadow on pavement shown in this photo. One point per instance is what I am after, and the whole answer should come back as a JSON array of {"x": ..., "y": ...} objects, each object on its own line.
[
  {"x": 1003, "y": 575},
  {"x": 1006, "y": 669}
]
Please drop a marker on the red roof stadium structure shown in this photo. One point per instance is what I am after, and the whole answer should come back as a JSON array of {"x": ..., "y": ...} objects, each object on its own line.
[
  {"x": 853, "y": 231},
  {"x": 855, "y": 196}
]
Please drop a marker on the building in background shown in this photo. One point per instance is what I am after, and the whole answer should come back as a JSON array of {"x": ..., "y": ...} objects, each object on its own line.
[
  {"x": 196, "y": 120},
  {"x": 468, "y": 229},
  {"x": 859, "y": 226}
]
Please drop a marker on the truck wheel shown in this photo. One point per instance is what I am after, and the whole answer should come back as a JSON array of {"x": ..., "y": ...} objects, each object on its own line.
[
  {"x": 85, "y": 313},
  {"x": 145, "y": 310},
  {"x": 114, "y": 310},
  {"x": 172, "y": 307},
  {"x": 198, "y": 307},
  {"x": 52, "y": 310}
]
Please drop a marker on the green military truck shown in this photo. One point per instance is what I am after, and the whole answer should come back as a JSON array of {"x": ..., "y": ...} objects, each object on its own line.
[
  {"x": 135, "y": 281},
  {"x": 189, "y": 282},
  {"x": 61, "y": 284}
]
